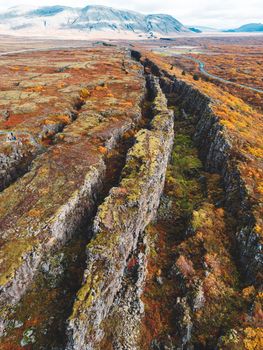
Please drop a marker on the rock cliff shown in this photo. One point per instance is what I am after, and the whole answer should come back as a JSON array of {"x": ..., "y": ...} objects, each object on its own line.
[
  {"x": 119, "y": 223},
  {"x": 49, "y": 219},
  {"x": 217, "y": 150}
]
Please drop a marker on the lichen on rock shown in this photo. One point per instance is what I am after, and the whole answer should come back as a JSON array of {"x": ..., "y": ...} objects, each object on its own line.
[{"x": 118, "y": 224}]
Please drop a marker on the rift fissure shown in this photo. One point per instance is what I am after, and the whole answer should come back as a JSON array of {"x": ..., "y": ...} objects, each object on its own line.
[
  {"x": 197, "y": 274},
  {"x": 75, "y": 168},
  {"x": 119, "y": 225},
  {"x": 174, "y": 291},
  {"x": 156, "y": 249},
  {"x": 60, "y": 276},
  {"x": 18, "y": 163}
]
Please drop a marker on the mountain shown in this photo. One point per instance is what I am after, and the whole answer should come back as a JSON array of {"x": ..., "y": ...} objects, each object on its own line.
[
  {"x": 92, "y": 20},
  {"x": 247, "y": 28}
]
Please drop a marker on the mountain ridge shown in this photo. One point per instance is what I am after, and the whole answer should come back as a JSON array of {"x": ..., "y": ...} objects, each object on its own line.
[
  {"x": 247, "y": 28},
  {"x": 91, "y": 19}
]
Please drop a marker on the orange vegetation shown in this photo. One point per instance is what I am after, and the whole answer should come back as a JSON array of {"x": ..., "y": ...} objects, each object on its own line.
[{"x": 245, "y": 126}]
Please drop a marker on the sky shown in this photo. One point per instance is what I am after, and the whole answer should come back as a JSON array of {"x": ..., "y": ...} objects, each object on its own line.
[{"x": 215, "y": 13}]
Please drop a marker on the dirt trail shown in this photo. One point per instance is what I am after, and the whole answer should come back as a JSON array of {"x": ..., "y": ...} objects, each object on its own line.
[{"x": 205, "y": 72}]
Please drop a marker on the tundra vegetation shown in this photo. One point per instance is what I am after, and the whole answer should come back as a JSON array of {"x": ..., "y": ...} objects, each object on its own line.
[
  {"x": 239, "y": 62},
  {"x": 131, "y": 200}
]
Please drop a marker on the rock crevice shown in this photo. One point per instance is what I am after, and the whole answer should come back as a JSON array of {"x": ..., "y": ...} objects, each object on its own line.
[
  {"x": 118, "y": 224},
  {"x": 216, "y": 149}
]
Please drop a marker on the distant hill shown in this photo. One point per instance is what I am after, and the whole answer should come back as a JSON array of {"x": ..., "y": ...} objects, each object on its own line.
[
  {"x": 247, "y": 28},
  {"x": 202, "y": 29},
  {"x": 92, "y": 20},
  {"x": 195, "y": 30}
]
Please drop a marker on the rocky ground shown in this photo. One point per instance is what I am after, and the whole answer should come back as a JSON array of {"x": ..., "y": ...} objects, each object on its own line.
[{"x": 130, "y": 206}]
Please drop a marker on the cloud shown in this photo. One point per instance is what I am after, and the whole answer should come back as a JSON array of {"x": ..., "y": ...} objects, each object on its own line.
[{"x": 218, "y": 13}]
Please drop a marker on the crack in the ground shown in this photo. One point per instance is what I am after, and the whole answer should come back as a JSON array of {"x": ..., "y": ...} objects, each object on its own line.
[{"x": 46, "y": 306}]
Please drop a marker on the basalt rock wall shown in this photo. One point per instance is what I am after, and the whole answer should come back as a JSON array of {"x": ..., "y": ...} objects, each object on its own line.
[
  {"x": 60, "y": 227},
  {"x": 216, "y": 149},
  {"x": 119, "y": 222}
]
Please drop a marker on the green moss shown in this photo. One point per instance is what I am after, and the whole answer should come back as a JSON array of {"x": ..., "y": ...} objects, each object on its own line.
[
  {"x": 182, "y": 141},
  {"x": 184, "y": 155},
  {"x": 182, "y": 175},
  {"x": 201, "y": 218},
  {"x": 87, "y": 293},
  {"x": 104, "y": 243},
  {"x": 12, "y": 253}
]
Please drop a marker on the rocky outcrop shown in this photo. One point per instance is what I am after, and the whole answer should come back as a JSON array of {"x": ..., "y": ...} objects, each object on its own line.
[
  {"x": 122, "y": 327},
  {"x": 217, "y": 151},
  {"x": 59, "y": 230},
  {"x": 45, "y": 211},
  {"x": 60, "y": 226},
  {"x": 19, "y": 149},
  {"x": 16, "y": 154},
  {"x": 118, "y": 225},
  {"x": 47, "y": 206}
]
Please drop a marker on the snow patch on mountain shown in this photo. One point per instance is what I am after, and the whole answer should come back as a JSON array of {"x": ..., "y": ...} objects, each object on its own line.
[{"x": 90, "y": 21}]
